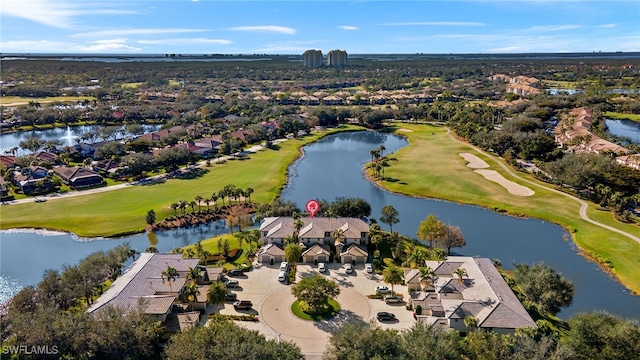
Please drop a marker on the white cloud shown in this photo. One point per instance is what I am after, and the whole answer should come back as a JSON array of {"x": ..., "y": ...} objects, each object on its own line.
[
  {"x": 607, "y": 26},
  {"x": 348, "y": 27},
  {"x": 436, "y": 23},
  {"x": 186, "y": 41},
  {"x": 110, "y": 45},
  {"x": 58, "y": 13},
  {"x": 266, "y": 28},
  {"x": 31, "y": 45},
  {"x": 545, "y": 28},
  {"x": 508, "y": 49},
  {"x": 129, "y": 32}
]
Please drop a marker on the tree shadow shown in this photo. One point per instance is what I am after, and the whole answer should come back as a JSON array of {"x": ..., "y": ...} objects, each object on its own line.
[{"x": 337, "y": 322}]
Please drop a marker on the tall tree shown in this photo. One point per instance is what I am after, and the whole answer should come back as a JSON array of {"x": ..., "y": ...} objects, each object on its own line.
[
  {"x": 151, "y": 217},
  {"x": 314, "y": 293},
  {"x": 389, "y": 216},
  {"x": 544, "y": 287},
  {"x": 169, "y": 274},
  {"x": 453, "y": 238},
  {"x": 392, "y": 275},
  {"x": 292, "y": 252},
  {"x": 217, "y": 293},
  {"x": 431, "y": 229}
]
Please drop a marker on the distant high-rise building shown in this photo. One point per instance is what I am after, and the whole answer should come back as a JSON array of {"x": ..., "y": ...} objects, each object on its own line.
[
  {"x": 337, "y": 58},
  {"x": 312, "y": 58}
]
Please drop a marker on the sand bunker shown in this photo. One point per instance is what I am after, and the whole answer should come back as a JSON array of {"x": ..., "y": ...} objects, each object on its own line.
[
  {"x": 474, "y": 162},
  {"x": 512, "y": 187},
  {"x": 405, "y": 130}
]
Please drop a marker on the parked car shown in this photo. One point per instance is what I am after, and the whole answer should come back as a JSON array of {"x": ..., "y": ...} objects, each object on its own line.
[
  {"x": 386, "y": 316},
  {"x": 232, "y": 283},
  {"x": 392, "y": 299},
  {"x": 382, "y": 289},
  {"x": 321, "y": 267},
  {"x": 242, "y": 304},
  {"x": 284, "y": 266},
  {"x": 368, "y": 268},
  {"x": 282, "y": 276},
  {"x": 348, "y": 268},
  {"x": 231, "y": 297},
  {"x": 235, "y": 272}
]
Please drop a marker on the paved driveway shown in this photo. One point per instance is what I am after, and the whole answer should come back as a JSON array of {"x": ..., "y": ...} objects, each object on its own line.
[{"x": 272, "y": 303}]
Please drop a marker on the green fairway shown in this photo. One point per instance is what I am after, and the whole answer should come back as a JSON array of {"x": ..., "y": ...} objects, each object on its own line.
[
  {"x": 617, "y": 115},
  {"x": 17, "y": 100},
  {"x": 123, "y": 211},
  {"x": 427, "y": 166}
]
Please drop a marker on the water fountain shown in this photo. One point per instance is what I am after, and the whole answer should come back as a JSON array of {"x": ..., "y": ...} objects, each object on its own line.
[{"x": 69, "y": 137}]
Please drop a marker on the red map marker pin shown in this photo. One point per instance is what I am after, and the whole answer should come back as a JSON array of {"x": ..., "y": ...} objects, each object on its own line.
[{"x": 312, "y": 207}]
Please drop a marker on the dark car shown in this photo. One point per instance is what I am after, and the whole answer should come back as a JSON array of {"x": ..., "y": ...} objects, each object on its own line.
[
  {"x": 242, "y": 304},
  {"x": 231, "y": 297},
  {"x": 235, "y": 272},
  {"x": 385, "y": 316}
]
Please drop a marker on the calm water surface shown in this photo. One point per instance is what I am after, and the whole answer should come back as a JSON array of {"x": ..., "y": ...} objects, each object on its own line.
[
  {"x": 331, "y": 168},
  {"x": 623, "y": 127}
]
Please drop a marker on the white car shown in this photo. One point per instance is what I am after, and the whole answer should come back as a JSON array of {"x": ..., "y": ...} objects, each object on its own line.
[
  {"x": 284, "y": 266},
  {"x": 321, "y": 267},
  {"x": 368, "y": 268},
  {"x": 348, "y": 268},
  {"x": 232, "y": 283},
  {"x": 382, "y": 289}
]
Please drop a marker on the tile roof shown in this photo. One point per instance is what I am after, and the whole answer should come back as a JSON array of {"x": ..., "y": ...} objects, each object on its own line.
[
  {"x": 143, "y": 280},
  {"x": 316, "y": 250}
]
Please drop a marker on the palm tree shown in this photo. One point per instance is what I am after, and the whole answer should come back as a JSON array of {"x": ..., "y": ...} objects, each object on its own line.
[
  {"x": 392, "y": 275},
  {"x": 175, "y": 207},
  {"x": 190, "y": 253},
  {"x": 193, "y": 206},
  {"x": 292, "y": 252},
  {"x": 190, "y": 292},
  {"x": 247, "y": 192},
  {"x": 381, "y": 149},
  {"x": 297, "y": 225},
  {"x": 460, "y": 273},
  {"x": 193, "y": 274},
  {"x": 217, "y": 293},
  {"x": 207, "y": 202},
  {"x": 338, "y": 235},
  {"x": 214, "y": 198},
  {"x": 199, "y": 199},
  {"x": 170, "y": 274},
  {"x": 221, "y": 194},
  {"x": 183, "y": 206},
  {"x": 471, "y": 322},
  {"x": 428, "y": 275}
]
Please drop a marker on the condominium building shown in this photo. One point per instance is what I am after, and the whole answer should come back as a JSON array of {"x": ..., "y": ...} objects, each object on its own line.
[
  {"x": 312, "y": 58},
  {"x": 337, "y": 58}
]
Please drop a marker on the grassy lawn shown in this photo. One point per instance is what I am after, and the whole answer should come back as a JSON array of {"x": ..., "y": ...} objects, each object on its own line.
[
  {"x": 18, "y": 100},
  {"x": 132, "y": 85},
  {"x": 617, "y": 115},
  {"x": 123, "y": 211},
  {"x": 335, "y": 309},
  {"x": 425, "y": 169},
  {"x": 211, "y": 245},
  {"x": 560, "y": 84}
]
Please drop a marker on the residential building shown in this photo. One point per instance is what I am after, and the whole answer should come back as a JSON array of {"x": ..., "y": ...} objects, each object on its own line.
[
  {"x": 32, "y": 178},
  {"x": 337, "y": 58},
  {"x": 574, "y": 132},
  {"x": 482, "y": 294},
  {"x": 312, "y": 58},
  {"x": 144, "y": 286},
  {"x": 78, "y": 177},
  {"x": 319, "y": 231}
]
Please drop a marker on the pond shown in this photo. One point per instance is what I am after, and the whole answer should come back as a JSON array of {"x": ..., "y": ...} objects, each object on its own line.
[
  {"x": 67, "y": 135},
  {"x": 333, "y": 167},
  {"x": 624, "y": 127}
]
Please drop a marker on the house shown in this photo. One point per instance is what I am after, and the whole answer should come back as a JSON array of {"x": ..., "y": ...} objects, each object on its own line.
[
  {"x": 32, "y": 178},
  {"x": 319, "y": 231},
  {"x": 46, "y": 157},
  {"x": 316, "y": 254},
  {"x": 4, "y": 188},
  {"x": 143, "y": 285},
  {"x": 78, "y": 177},
  {"x": 106, "y": 165},
  {"x": 580, "y": 120},
  {"x": 632, "y": 161},
  {"x": 482, "y": 294},
  {"x": 271, "y": 253},
  {"x": 212, "y": 143},
  {"x": 8, "y": 161}
]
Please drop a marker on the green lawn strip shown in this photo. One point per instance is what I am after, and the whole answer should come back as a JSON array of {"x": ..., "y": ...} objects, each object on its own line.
[
  {"x": 617, "y": 115},
  {"x": 335, "y": 309},
  {"x": 123, "y": 211},
  {"x": 19, "y": 100},
  {"x": 427, "y": 166},
  {"x": 211, "y": 245}
]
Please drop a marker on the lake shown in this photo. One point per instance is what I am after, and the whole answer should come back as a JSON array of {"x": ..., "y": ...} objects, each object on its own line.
[
  {"x": 624, "y": 127},
  {"x": 333, "y": 167},
  {"x": 67, "y": 135}
]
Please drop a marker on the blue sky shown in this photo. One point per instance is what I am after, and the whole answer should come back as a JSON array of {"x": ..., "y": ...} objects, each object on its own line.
[{"x": 291, "y": 27}]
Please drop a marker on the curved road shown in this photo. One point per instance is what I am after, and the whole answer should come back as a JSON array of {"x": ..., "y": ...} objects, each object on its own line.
[{"x": 583, "y": 204}]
